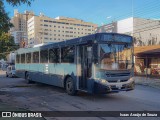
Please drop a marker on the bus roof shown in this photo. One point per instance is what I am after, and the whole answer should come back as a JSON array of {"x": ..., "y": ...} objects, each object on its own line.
[{"x": 76, "y": 41}]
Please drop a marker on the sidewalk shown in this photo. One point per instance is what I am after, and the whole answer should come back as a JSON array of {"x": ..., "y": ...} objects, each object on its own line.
[{"x": 152, "y": 82}]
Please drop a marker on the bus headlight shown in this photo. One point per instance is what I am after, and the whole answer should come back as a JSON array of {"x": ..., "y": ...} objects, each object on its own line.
[
  {"x": 131, "y": 79},
  {"x": 103, "y": 81}
]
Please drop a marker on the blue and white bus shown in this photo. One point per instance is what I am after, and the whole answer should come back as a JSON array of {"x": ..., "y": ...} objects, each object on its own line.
[{"x": 98, "y": 63}]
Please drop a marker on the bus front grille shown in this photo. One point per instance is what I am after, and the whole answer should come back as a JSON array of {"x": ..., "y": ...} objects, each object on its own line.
[
  {"x": 117, "y": 80},
  {"x": 117, "y": 74}
]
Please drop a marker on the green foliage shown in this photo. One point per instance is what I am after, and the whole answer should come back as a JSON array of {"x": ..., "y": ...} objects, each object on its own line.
[
  {"x": 5, "y": 24},
  {"x": 6, "y": 44},
  {"x": 4, "y": 20},
  {"x": 19, "y": 2},
  {"x": 6, "y": 40}
]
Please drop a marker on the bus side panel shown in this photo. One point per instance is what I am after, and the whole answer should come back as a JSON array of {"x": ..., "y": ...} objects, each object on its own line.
[
  {"x": 35, "y": 76},
  {"x": 60, "y": 71},
  {"x": 20, "y": 70},
  {"x": 20, "y": 73},
  {"x": 54, "y": 74}
]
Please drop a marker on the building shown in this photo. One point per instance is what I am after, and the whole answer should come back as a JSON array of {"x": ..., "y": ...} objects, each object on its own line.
[
  {"x": 42, "y": 29},
  {"x": 146, "y": 34},
  {"x": 19, "y": 31},
  {"x": 111, "y": 27}
]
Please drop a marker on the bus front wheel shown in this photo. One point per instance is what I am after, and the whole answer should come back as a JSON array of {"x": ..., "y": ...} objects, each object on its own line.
[{"x": 70, "y": 88}]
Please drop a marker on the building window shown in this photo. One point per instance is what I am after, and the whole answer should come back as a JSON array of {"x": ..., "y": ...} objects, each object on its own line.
[
  {"x": 45, "y": 20},
  {"x": 44, "y": 56},
  {"x": 67, "y": 54}
]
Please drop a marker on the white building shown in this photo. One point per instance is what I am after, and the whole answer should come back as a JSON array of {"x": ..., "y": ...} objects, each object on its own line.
[
  {"x": 42, "y": 29},
  {"x": 19, "y": 31},
  {"x": 145, "y": 31}
]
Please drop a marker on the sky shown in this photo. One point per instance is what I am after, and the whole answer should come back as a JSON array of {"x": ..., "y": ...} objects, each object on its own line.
[{"x": 95, "y": 11}]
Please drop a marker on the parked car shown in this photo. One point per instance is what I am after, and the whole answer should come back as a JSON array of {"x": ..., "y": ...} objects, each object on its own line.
[{"x": 11, "y": 72}]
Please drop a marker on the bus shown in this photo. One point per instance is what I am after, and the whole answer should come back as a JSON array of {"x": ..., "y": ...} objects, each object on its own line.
[{"x": 100, "y": 63}]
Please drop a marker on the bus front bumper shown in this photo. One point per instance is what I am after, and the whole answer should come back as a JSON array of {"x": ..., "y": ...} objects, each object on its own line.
[{"x": 114, "y": 87}]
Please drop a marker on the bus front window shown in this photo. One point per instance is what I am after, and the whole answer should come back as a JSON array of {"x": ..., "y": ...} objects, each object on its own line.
[{"x": 115, "y": 56}]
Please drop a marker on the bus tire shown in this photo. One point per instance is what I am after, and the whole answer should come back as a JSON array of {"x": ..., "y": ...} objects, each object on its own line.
[
  {"x": 70, "y": 87},
  {"x": 27, "y": 77},
  {"x": 6, "y": 75},
  {"x": 133, "y": 86}
]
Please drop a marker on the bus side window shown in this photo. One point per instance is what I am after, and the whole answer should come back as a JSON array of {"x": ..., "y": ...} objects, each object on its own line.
[
  {"x": 22, "y": 58},
  {"x": 44, "y": 56},
  {"x": 28, "y": 58},
  {"x": 17, "y": 58},
  {"x": 67, "y": 54},
  {"x": 54, "y": 55},
  {"x": 35, "y": 57}
]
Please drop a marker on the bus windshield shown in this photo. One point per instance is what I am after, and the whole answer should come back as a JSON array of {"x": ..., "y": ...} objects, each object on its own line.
[{"x": 115, "y": 56}]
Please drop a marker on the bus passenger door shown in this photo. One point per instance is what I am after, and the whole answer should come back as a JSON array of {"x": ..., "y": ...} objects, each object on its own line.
[{"x": 85, "y": 65}]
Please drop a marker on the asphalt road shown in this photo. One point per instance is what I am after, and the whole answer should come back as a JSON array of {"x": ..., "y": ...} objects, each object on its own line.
[{"x": 39, "y": 97}]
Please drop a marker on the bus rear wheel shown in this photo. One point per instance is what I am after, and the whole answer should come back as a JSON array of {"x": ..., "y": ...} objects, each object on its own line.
[
  {"x": 27, "y": 77},
  {"x": 70, "y": 87}
]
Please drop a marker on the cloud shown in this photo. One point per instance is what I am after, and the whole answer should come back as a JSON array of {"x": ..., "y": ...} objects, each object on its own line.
[{"x": 109, "y": 17}]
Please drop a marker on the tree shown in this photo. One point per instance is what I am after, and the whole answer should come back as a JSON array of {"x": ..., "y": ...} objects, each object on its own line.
[
  {"x": 5, "y": 24},
  {"x": 6, "y": 41},
  {"x": 4, "y": 20},
  {"x": 6, "y": 44}
]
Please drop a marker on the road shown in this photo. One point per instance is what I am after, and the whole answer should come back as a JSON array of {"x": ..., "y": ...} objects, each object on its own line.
[{"x": 40, "y": 97}]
